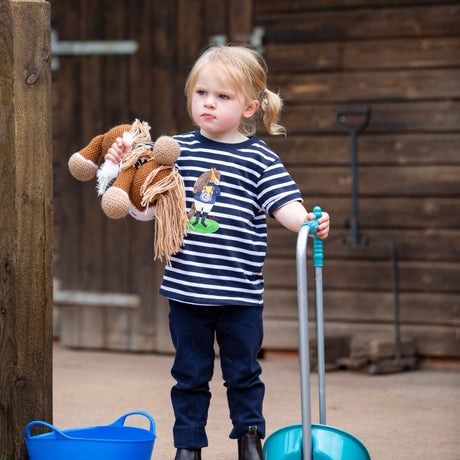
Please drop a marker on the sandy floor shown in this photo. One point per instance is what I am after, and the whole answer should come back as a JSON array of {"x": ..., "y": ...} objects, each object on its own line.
[{"x": 411, "y": 415}]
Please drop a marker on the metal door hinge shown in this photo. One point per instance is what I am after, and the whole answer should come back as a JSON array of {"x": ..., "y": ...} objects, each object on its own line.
[{"x": 81, "y": 47}]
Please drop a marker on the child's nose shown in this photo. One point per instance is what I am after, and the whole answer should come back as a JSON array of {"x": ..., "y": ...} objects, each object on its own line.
[{"x": 210, "y": 101}]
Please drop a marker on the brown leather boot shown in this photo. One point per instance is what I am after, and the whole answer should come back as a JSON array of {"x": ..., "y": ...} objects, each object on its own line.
[
  {"x": 250, "y": 447},
  {"x": 188, "y": 454}
]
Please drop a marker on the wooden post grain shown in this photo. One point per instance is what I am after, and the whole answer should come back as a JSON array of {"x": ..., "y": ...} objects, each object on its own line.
[{"x": 26, "y": 225}]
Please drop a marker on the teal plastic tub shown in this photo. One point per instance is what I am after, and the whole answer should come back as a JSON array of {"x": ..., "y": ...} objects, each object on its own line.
[
  {"x": 110, "y": 442},
  {"x": 328, "y": 443}
]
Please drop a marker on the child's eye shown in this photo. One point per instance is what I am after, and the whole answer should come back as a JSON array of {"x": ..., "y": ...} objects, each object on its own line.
[
  {"x": 223, "y": 96},
  {"x": 201, "y": 92}
]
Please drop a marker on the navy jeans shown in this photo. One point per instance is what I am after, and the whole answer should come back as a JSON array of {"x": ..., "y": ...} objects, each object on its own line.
[{"x": 239, "y": 334}]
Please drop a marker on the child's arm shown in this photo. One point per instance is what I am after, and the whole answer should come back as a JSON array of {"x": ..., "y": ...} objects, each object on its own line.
[{"x": 293, "y": 215}]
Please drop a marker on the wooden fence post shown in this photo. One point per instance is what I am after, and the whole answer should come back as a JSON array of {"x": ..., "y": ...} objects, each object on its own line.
[{"x": 26, "y": 222}]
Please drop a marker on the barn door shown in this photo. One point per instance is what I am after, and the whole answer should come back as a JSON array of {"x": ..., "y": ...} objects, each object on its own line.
[{"x": 107, "y": 281}]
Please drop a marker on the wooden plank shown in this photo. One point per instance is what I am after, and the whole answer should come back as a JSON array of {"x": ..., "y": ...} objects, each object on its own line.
[
  {"x": 118, "y": 331},
  {"x": 83, "y": 327},
  {"x": 91, "y": 220},
  {"x": 435, "y": 341},
  {"x": 434, "y": 244},
  {"x": 67, "y": 140},
  {"x": 117, "y": 249},
  {"x": 140, "y": 325},
  {"x": 70, "y": 327},
  {"x": 371, "y": 86},
  {"x": 80, "y": 327},
  {"x": 441, "y": 52},
  {"x": 26, "y": 235},
  {"x": 145, "y": 325},
  {"x": 392, "y": 213},
  {"x": 215, "y": 18},
  {"x": 140, "y": 65},
  {"x": 115, "y": 79},
  {"x": 239, "y": 17},
  {"x": 275, "y": 6},
  {"x": 438, "y": 116},
  {"x": 163, "y": 341},
  {"x": 193, "y": 34},
  {"x": 8, "y": 247},
  {"x": 361, "y": 23},
  {"x": 164, "y": 66},
  {"x": 429, "y": 340},
  {"x": 436, "y": 53},
  {"x": 382, "y": 181},
  {"x": 419, "y": 276},
  {"x": 386, "y": 148},
  {"x": 429, "y": 245},
  {"x": 367, "y": 306}
]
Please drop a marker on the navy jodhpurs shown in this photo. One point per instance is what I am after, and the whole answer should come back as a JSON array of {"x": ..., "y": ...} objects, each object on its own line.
[{"x": 239, "y": 334}]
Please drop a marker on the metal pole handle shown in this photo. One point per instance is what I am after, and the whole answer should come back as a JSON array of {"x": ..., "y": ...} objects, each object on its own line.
[
  {"x": 302, "y": 298},
  {"x": 304, "y": 351}
]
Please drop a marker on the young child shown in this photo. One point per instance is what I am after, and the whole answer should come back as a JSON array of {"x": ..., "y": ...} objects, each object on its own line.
[{"x": 215, "y": 284}]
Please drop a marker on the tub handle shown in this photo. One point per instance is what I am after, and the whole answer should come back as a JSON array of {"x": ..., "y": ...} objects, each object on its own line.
[
  {"x": 121, "y": 420},
  {"x": 57, "y": 434}
]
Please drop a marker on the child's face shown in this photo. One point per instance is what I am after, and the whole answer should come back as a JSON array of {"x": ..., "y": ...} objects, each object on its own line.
[{"x": 218, "y": 109}]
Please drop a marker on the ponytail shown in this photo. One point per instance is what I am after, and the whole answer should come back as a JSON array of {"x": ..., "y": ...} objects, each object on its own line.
[{"x": 271, "y": 105}]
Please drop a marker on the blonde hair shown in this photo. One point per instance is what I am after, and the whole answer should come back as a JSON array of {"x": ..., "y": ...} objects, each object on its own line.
[{"x": 247, "y": 72}]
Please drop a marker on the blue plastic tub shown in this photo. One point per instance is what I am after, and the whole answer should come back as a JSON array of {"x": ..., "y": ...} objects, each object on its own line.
[
  {"x": 328, "y": 443},
  {"x": 110, "y": 442}
]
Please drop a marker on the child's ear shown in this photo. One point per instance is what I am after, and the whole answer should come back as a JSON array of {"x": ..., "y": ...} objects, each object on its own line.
[{"x": 251, "y": 108}]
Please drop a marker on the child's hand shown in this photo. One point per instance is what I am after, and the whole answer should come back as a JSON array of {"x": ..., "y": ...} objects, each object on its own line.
[
  {"x": 323, "y": 221},
  {"x": 119, "y": 148}
]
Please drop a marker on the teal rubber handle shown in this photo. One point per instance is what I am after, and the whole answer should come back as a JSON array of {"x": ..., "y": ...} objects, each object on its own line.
[{"x": 318, "y": 255}]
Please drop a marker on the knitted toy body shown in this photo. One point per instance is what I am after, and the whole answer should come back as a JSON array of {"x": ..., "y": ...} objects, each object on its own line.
[{"x": 147, "y": 186}]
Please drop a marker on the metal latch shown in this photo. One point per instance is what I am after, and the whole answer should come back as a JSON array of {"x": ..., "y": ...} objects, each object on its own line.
[
  {"x": 81, "y": 47},
  {"x": 255, "y": 39}
]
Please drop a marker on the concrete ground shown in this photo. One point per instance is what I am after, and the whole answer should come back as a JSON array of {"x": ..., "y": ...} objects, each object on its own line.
[{"x": 404, "y": 416}]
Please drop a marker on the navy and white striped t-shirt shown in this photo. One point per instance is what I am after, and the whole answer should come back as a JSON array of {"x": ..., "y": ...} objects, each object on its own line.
[{"x": 230, "y": 188}]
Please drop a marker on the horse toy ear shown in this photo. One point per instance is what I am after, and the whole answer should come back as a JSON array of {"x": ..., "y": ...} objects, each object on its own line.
[
  {"x": 84, "y": 164},
  {"x": 149, "y": 186}
]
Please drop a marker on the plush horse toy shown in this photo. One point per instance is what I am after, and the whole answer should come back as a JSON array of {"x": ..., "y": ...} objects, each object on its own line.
[{"x": 147, "y": 185}]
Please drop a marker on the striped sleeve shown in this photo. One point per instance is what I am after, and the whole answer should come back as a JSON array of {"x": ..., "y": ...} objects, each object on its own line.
[{"x": 276, "y": 188}]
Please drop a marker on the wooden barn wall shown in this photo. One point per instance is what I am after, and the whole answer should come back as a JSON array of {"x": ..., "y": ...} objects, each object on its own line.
[
  {"x": 402, "y": 60},
  {"x": 398, "y": 58}
]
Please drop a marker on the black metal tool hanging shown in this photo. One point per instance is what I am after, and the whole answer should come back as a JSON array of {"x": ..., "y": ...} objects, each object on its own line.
[
  {"x": 353, "y": 130},
  {"x": 353, "y": 121}
]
